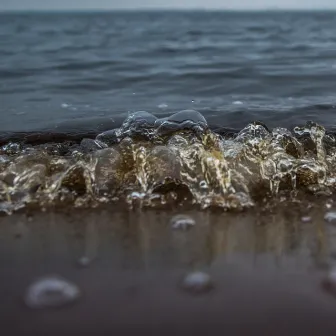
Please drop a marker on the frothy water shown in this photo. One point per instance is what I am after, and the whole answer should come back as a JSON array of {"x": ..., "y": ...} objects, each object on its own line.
[{"x": 178, "y": 160}]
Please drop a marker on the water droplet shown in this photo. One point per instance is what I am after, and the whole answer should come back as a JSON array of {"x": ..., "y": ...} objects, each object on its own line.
[
  {"x": 182, "y": 222},
  {"x": 305, "y": 219},
  {"x": 330, "y": 216},
  {"x": 51, "y": 292},
  {"x": 197, "y": 282}
]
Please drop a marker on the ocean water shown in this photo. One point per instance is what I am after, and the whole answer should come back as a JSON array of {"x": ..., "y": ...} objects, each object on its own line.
[
  {"x": 233, "y": 67},
  {"x": 259, "y": 90}
]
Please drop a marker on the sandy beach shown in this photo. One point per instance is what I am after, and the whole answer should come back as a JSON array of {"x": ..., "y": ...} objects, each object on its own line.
[{"x": 267, "y": 271}]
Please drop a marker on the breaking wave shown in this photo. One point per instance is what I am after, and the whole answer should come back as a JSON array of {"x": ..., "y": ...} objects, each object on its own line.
[{"x": 173, "y": 161}]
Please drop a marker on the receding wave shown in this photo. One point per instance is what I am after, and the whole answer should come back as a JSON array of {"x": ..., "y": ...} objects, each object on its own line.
[{"x": 173, "y": 161}]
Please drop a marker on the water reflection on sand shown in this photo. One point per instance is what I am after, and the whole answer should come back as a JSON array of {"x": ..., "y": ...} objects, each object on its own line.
[{"x": 145, "y": 239}]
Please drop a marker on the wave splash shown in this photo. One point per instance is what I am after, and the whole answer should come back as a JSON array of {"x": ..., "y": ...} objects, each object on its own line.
[{"x": 151, "y": 162}]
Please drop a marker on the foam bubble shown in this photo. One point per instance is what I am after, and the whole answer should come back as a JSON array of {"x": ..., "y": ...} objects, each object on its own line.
[
  {"x": 182, "y": 222},
  {"x": 51, "y": 292}
]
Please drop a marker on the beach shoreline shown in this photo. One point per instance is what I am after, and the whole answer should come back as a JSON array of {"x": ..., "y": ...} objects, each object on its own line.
[{"x": 267, "y": 271}]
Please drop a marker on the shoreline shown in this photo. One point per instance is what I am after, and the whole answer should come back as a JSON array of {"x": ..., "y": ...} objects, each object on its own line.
[{"x": 267, "y": 270}]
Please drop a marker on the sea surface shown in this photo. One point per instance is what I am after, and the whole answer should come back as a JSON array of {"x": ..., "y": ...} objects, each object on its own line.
[{"x": 85, "y": 68}]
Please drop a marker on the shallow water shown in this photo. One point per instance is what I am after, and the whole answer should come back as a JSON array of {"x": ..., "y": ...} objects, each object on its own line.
[
  {"x": 138, "y": 263},
  {"x": 271, "y": 240}
]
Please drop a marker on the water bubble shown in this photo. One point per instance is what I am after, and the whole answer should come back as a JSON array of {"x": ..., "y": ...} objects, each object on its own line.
[
  {"x": 184, "y": 120},
  {"x": 51, "y": 292},
  {"x": 203, "y": 185},
  {"x": 330, "y": 216},
  {"x": 306, "y": 219},
  {"x": 138, "y": 121},
  {"x": 183, "y": 222},
  {"x": 110, "y": 137},
  {"x": 187, "y": 115},
  {"x": 253, "y": 131},
  {"x": 197, "y": 282}
]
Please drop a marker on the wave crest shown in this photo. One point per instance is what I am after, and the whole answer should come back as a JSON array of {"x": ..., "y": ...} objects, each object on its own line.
[{"x": 151, "y": 162}]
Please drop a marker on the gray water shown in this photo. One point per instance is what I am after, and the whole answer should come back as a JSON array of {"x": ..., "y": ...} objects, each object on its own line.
[{"x": 233, "y": 67}]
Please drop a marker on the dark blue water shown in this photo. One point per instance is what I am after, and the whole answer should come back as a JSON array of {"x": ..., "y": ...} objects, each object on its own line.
[{"x": 88, "y": 69}]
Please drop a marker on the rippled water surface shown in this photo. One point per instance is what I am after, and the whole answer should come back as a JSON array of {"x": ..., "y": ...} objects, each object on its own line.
[{"x": 235, "y": 68}]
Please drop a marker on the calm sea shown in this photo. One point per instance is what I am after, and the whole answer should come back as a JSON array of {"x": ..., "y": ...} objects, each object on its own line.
[{"x": 90, "y": 69}]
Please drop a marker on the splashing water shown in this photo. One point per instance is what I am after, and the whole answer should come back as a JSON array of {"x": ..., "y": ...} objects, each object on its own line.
[{"x": 151, "y": 162}]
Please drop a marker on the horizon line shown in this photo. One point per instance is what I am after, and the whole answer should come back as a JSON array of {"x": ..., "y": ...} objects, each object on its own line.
[{"x": 173, "y": 9}]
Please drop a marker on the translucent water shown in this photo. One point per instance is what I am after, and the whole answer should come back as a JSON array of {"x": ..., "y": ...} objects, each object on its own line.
[{"x": 151, "y": 162}]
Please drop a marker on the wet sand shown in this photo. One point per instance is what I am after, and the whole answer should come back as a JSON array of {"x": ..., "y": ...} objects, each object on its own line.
[{"x": 267, "y": 269}]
